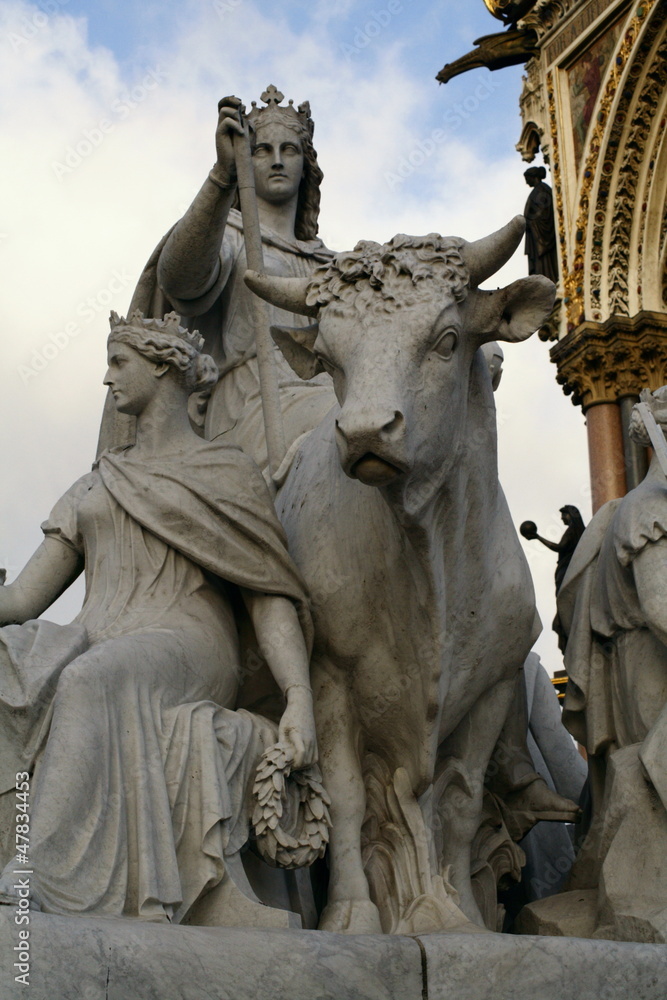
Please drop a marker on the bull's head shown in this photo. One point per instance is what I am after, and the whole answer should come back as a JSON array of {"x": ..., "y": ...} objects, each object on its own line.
[{"x": 397, "y": 327}]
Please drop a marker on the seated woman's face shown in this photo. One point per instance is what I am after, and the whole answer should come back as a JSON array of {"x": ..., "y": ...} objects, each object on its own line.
[{"x": 132, "y": 378}]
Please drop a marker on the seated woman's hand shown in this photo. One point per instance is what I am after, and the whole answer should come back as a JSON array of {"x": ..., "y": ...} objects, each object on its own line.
[{"x": 297, "y": 726}]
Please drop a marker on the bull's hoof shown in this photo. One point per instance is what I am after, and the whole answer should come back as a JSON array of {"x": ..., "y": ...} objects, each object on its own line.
[
  {"x": 351, "y": 916},
  {"x": 537, "y": 798}
]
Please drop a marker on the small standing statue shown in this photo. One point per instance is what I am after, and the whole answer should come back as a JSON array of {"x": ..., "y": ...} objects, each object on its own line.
[
  {"x": 540, "y": 226},
  {"x": 565, "y": 548}
]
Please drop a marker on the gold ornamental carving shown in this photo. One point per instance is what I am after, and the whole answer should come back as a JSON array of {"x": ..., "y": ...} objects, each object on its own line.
[
  {"x": 645, "y": 194},
  {"x": 546, "y": 14},
  {"x": 603, "y": 362},
  {"x": 623, "y": 201},
  {"x": 509, "y": 11},
  {"x": 626, "y": 202},
  {"x": 533, "y": 114},
  {"x": 573, "y": 280},
  {"x": 577, "y": 27},
  {"x": 556, "y": 174}
]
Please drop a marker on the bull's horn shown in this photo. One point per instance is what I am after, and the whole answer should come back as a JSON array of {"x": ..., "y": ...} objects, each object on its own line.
[
  {"x": 484, "y": 257},
  {"x": 286, "y": 293}
]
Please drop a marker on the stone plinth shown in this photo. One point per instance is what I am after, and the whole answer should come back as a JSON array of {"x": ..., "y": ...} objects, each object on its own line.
[{"x": 96, "y": 959}]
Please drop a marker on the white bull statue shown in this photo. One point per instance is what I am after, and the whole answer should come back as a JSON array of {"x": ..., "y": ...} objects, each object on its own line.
[{"x": 423, "y": 602}]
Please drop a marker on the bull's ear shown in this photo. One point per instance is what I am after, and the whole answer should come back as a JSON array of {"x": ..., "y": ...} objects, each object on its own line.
[
  {"x": 514, "y": 313},
  {"x": 296, "y": 345}
]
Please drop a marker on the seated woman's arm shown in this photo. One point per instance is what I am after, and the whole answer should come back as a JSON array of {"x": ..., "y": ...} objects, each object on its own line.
[
  {"x": 49, "y": 572},
  {"x": 283, "y": 646}
]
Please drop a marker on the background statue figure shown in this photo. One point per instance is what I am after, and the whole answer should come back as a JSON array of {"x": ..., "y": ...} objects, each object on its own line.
[
  {"x": 198, "y": 267},
  {"x": 140, "y": 793},
  {"x": 569, "y": 540},
  {"x": 540, "y": 226},
  {"x": 613, "y": 604},
  {"x": 571, "y": 517}
]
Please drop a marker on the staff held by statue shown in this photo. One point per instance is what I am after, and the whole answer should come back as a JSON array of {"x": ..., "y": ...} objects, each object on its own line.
[{"x": 268, "y": 373}]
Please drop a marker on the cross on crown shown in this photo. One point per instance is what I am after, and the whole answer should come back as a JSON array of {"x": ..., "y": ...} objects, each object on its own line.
[{"x": 298, "y": 120}]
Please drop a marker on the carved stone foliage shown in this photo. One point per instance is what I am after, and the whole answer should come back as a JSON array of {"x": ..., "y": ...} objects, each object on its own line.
[
  {"x": 626, "y": 206},
  {"x": 557, "y": 176},
  {"x": 602, "y": 362},
  {"x": 397, "y": 848},
  {"x": 598, "y": 164},
  {"x": 533, "y": 113},
  {"x": 396, "y": 857},
  {"x": 645, "y": 278},
  {"x": 614, "y": 189},
  {"x": 551, "y": 326},
  {"x": 546, "y": 14}
]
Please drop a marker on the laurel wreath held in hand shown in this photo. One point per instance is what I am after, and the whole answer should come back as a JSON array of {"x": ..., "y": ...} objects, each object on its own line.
[{"x": 291, "y": 814}]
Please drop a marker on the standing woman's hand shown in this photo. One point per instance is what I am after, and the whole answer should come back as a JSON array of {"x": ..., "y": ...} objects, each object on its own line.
[{"x": 224, "y": 171}]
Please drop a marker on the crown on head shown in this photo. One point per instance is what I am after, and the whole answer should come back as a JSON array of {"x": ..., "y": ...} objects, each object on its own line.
[
  {"x": 170, "y": 326},
  {"x": 297, "y": 119}
]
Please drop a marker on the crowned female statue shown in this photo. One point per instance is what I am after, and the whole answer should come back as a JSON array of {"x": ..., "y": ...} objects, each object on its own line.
[
  {"x": 140, "y": 771},
  {"x": 198, "y": 267}
]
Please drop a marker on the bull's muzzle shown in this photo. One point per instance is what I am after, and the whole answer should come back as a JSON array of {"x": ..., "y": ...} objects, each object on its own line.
[{"x": 371, "y": 445}]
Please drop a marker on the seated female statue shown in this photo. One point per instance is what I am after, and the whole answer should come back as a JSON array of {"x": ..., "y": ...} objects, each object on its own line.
[{"x": 139, "y": 769}]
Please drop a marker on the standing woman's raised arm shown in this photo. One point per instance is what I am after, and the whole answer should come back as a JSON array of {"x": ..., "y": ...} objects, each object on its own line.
[{"x": 189, "y": 264}]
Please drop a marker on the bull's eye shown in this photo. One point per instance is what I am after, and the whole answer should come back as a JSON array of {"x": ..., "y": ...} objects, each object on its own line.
[{"x": 445, "y": 344}]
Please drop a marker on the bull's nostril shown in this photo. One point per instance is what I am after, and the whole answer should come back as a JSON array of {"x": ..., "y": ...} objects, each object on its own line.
[{"x": 395, "y": 425}]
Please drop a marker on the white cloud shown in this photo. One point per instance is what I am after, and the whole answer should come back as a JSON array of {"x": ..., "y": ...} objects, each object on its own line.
[{"x": 134, "y": 144}]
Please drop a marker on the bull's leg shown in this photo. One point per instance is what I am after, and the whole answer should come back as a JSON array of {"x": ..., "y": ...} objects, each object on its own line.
[
  {"x": 516, "y": 781},
  {"x": 464, "y": 759},
  {"x": 349, "y": 908}
]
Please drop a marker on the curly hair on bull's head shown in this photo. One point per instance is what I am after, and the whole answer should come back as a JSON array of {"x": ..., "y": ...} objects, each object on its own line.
[{"x": 385, "y": 277}]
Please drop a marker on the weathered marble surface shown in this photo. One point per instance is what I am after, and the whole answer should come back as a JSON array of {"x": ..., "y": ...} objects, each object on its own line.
[
  {"x": 107, "y": 959},
  {"x": 503, "y": 967},
  {"x": 85, "y": 959}
]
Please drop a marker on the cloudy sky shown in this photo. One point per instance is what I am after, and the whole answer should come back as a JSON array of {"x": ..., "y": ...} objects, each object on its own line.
[{"x": 107, "y": 117}]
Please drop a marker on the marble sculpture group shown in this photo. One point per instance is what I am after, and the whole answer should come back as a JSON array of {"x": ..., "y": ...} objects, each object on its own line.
[{"x": 319, "y": 662}]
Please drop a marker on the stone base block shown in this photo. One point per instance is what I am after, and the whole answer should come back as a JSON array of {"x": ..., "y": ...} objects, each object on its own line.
[
  {"x": 567, "y": 914},
  {"x": 96, "y": 959}
]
